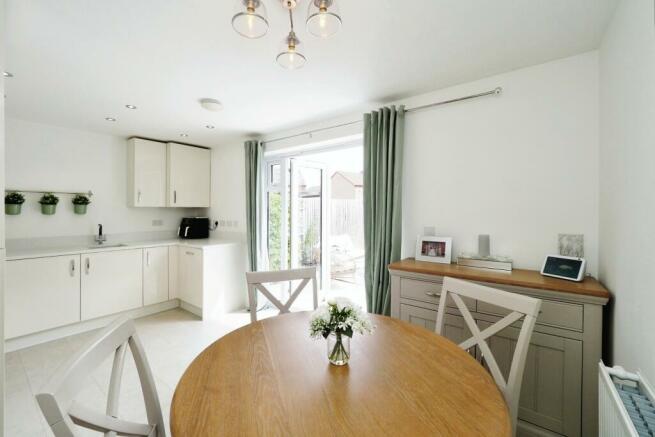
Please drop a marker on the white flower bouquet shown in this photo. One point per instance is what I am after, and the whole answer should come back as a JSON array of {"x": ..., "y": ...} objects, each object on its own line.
[{"x": 337, "y": 322}]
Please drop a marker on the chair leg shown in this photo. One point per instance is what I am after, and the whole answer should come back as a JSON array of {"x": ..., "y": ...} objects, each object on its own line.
[{"x": 253, "y": 303}]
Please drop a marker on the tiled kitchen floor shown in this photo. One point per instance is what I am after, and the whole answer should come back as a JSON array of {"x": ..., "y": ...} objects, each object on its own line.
[{"x": 171, "y": 339}]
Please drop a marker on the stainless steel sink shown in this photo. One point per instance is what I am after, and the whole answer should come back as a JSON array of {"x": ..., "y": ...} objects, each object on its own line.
[{"x": 106, "y": 246}]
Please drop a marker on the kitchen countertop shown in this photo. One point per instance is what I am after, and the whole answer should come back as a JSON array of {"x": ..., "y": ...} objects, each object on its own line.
[{"x": 39, "y": 252}]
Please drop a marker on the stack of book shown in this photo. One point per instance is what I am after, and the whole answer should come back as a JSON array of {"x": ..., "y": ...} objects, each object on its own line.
[{"x": 485, "y": 262}]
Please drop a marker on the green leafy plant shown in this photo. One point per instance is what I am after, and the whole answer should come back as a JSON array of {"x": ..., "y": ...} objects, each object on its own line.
[
  {"x": 14, "y": 199},
  {"x": 49, "y": 199},
  {"x": 81, "y": 199}
]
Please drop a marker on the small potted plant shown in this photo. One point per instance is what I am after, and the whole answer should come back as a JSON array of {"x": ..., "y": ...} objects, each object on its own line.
[
  {"x": 337, "y": 322},
  {"x": 80, "y": 202},
  {"x": 48, "y": 203},
  {"x": 13, "y": 202}
]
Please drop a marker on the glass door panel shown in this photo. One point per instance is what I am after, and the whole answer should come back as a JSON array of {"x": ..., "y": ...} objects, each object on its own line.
[{"x": 308, "y": 217}]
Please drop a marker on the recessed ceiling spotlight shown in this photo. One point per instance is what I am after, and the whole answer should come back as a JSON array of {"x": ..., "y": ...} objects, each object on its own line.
[
  {"x": 7, "y": 74},
  {"x": 184, "y": 135},
  {"x": 130, "y": 106},
  {"x": 212, "y": 105},
  {"x": 110, "y": 119},
  {"x": 209, "y": 126}
]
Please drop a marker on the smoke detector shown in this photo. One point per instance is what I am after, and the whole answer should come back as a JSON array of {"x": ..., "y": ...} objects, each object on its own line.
[{"x": 212, "y": 105}]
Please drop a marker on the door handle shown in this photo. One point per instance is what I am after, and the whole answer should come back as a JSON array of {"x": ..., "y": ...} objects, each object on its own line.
[
  {"x": 72, "y": 269},
  {"x": 186, "y": 231},
  {"x": 432, "y": 294},
  {"x": 174, "y": 196},
  {"x": 88, "y": 265},
  {"x": 147, "y": 258}
]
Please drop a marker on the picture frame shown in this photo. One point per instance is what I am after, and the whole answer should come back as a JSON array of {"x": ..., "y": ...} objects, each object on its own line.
[{"x": 434, "y": 249}]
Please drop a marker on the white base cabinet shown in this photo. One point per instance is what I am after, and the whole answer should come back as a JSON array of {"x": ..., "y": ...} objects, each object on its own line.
[
  {"x": 111, "y": 282},
  {"x": 41, "y": 293},
  {"x": 212, "y": 280},
  {"x": 155, "y": 275}
]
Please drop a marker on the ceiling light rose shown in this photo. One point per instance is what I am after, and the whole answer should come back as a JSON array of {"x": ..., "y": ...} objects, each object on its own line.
[
  {"x": 323, "y": 19},
  {"x": 209, "y": 126},
  {"x": 7, "y": 74},
  {"x": 250, "y": 19},
  {"x": 110, "y": 119},
  {"x": 130, "y": 106}
]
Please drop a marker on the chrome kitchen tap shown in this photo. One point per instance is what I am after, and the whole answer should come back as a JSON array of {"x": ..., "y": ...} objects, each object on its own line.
[{"x": 100, "y": 238}]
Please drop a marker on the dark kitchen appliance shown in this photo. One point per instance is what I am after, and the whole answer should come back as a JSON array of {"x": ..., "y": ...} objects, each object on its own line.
[{"x": 194, "y": 228}]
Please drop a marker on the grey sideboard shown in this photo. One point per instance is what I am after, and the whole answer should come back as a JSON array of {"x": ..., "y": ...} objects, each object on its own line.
[{"x": 559, "y": 394}]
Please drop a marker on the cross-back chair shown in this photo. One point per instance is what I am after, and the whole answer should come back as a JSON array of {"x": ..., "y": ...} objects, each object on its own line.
[
  {"x": 256, "y": 281},
  {"x": 57, "y": 399},
  {"x": 520, "y": 307}
]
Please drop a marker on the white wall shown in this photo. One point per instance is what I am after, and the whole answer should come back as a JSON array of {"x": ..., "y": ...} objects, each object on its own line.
[
  {"x": 522, "y": 167},
  {"x": 43, "y": 157},
  {"x": 627, "y": 182}
]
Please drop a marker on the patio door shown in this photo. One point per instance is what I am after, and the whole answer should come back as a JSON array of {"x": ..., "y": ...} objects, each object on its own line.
[
  {"x": 308, "y": 218},
  {"x": 297, "y": 218}
]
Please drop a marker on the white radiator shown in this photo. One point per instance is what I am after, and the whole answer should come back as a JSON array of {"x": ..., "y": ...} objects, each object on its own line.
[{"x": 626, "y": 404}]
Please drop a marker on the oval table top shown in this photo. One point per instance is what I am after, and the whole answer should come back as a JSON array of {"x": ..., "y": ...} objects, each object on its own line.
[{"x": 271, "y": 378}]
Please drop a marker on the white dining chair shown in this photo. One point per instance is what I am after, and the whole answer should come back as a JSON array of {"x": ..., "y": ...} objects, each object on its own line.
[
  {"x": 63, "y": 412},
  {"x": 520, "y": 307},
  {"x": 256, "y": 281}
]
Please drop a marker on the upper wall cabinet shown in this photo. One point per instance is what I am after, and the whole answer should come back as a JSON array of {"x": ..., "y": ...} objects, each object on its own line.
[
  {"x": 146, "y": 173},
  {"x": 173, "y": 175},
  {"x": 189, "y": 176}
]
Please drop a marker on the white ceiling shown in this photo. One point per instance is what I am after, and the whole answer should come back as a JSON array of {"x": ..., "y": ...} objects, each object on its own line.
[{"x": 76, "y": 62}]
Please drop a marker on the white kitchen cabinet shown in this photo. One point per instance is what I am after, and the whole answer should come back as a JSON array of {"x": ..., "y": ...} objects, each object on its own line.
[
  {"x": 111, "y": 282},
  {"x": 189, "y": 176},
  {"x": 211, "y": 280},
  {"x": 155, "y": 275},
  {"x": 146, "y": 173},
  {"x": 41, "y": 293},
  {"x": 190, "y": 276}
]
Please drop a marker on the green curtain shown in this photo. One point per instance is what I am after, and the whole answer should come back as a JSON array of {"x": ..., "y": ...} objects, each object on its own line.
[
  {"x": 383, "y": 160},
  {"x": 254, "y": 155}
]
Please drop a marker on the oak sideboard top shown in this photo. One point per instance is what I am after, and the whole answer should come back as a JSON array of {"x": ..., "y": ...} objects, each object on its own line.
[{"x": 518, "y": 277}]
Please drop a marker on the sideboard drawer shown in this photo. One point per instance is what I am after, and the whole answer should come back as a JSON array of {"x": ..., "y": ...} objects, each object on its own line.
[
  {"x": 428, "y": 291},
  {"x": 558, "y": 314}
]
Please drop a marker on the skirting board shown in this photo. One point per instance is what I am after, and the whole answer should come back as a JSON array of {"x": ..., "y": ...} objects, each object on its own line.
[
  {"x": 186, "y": 306},
  {"x": 87, "y": 325}
]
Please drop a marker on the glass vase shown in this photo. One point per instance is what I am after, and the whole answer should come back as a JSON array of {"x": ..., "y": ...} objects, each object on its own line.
[{"x": 338, "y": 348}]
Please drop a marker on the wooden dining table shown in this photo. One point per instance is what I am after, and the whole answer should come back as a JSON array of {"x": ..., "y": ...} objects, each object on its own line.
[{"x": 270, "y": 378}]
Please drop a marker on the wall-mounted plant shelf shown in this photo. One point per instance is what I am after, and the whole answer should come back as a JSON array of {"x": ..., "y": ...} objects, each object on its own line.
[{"x": 71, "y": 193}]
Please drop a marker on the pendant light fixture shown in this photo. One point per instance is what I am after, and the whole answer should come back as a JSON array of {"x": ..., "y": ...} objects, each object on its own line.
[
  {"x": 250, "y": 19},
  {"x": 323, "y": 19},
  {"x": 290, "y": 58}
]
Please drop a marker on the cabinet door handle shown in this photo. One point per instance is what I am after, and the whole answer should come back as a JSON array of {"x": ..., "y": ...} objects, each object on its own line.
[
  {"x": 88, "y": 265},
  {"x": 174, "y": 196},
  {"x": 138, "y": 196},
  {"x": 72, "y": 269},
  {"x": 432, "y": 294},
  {"x": 147, "y": 258}
]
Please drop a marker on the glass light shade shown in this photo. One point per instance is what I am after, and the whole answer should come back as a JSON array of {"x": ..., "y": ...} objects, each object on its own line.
[
  {"x": 250, "y": 19},
  {"x": 290, "y": 58},
  {"x": 323, "y": 19}
]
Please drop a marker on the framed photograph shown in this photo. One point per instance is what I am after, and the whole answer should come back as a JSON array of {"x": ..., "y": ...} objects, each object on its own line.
[{"x": 434, "y": 249}]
